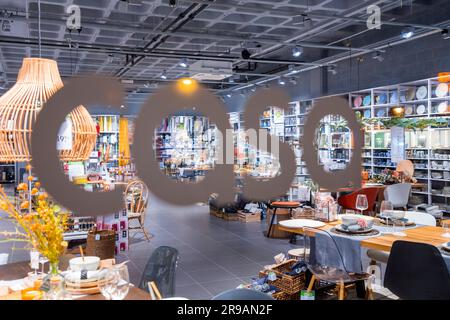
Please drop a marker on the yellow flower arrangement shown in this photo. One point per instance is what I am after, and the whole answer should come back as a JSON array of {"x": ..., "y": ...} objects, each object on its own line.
[{"x": 42, "y": 228}]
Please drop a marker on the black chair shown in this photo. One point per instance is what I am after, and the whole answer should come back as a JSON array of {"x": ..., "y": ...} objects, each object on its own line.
[
  {"x": 161, "y": 269},
  {"x": 242, "y": 294},
  {"x": 417, "y": 271}
]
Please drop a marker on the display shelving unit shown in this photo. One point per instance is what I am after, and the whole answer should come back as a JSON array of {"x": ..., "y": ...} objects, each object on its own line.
[
  {"x": 109, "y": 135},
  {"x": 428, "y": 149}
]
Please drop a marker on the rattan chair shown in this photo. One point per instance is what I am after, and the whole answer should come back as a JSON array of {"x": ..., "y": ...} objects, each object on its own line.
[
  {"x": 335, "y": 271},
  {"x": 136, "y": 200}
]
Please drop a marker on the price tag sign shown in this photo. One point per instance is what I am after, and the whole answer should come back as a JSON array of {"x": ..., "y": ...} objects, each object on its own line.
[{"x": 64, "y": 137}]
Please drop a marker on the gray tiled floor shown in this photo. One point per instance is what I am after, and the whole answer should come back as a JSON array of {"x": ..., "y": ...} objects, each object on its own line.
[{"x": 214, "y": 255}]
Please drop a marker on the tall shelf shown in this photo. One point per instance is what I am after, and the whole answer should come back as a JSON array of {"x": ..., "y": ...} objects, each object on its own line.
[
  {"x": 107, "y": 140},
  {"x": 428, "y": 149}
]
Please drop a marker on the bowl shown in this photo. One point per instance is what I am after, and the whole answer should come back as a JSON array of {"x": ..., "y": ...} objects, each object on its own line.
[
  {"x": 88, "y": 264},
  {"x": 395, "y": 214},
  {"x": 349, "y": 220}
]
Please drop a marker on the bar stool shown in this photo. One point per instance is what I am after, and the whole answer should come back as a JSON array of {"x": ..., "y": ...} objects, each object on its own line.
[{"x": 291, "y": 205}]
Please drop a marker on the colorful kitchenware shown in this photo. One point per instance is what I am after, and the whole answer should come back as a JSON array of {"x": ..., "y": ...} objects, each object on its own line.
[
  {"x": 410, "y": 94},
  {"x": 441, "y": 90},
  {"x": 367, "y": 114},
  {"x": 367, "y": 101},
  {"x": 357, "y": 102},
  {"x": 394, "y": 97},
  {"x": 409, "y": 110},
  {"x": 381, "y": 113},
  {"x": 381, "y": 98},
  {"x": 442, "y": 107}
]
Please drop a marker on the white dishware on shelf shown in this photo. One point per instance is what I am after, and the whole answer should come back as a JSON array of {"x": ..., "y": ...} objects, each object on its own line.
[
  {"x": 441, "y": 90},
  {"x": 442, "y": 107},
  {"x": 421, "y": 92},
  {"x": 301, "y": 223},
  {"x": 421, "y": 109},
  {"x": 409, "y": 110}
]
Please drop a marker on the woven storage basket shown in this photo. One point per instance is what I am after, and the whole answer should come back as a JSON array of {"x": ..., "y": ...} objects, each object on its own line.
[
  {"x": 288, "y": 284},
  {"x": 104, "y": 246},
  {"x": 280, "y": 295}
]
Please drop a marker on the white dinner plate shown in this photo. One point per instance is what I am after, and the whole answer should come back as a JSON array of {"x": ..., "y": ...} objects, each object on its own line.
[
  {"x": 442, "y": 107},
  {"x": 360, "y": 231},
  {"x": 441, "y": 90},
  {"x": 301, "y": 223},
  {"x": 421, "y": 93},
  {"x": 372, "y": 184},
  {"x": 421, "y": 109}
]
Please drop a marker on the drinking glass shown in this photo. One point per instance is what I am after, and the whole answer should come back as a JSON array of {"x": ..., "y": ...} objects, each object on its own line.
[
  {"x": 446, "y": 226},
  {"x": 361, "y": 202},
  {"x": 385, "y": 208},
  {"x": 122, "y": 283},
  {"x": 107, "y": 281}
]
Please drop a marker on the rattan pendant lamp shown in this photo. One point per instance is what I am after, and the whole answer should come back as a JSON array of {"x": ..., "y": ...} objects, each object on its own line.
[{"x": 37, "y": 81}]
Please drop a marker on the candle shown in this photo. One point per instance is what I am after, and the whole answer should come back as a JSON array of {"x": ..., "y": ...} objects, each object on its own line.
[{"x": 31, "y": 294}]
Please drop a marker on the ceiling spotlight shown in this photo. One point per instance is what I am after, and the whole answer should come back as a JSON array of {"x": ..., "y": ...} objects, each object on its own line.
[
  {"x": 164, "y": 75},
  {"x": 228, "y": 95},
  {"x": 377, "y": 55},
  {"x": 407, "y": 32},
  {"x": 246, "y": 54},
  {"x": 293, "y": 80},
  {"x": 445, "y": 34},
  {"x": 183, "y": 63},
  {"x": 147, "y": 85},
  {"x": 297, "y": 51},
  {"x": 172, "y": 3},
  {"x": 332, "y": 70},
  {"x": 122, "y": 106},
  {"x": 281, "y": 82}
]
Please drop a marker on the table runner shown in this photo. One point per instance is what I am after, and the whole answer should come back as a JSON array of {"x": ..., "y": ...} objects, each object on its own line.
[{"x": 349, "y": 247}]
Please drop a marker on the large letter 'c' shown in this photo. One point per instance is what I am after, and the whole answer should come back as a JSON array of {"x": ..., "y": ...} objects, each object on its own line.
[{"x": 84, "y": 91}]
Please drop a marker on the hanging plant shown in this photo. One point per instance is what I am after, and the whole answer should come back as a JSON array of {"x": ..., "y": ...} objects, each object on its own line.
[{"x": 407, "y": 123}]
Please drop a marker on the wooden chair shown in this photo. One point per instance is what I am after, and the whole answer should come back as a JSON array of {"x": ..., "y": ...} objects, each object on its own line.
[{"x": 136, "y": 200}]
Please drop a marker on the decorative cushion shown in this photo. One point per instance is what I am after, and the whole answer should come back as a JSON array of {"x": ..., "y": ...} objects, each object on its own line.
[{"x": 285, "y": 204}]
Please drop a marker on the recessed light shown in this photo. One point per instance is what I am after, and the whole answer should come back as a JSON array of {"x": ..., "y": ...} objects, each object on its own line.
[
  {"x": 407, "y": 32},
  {"x": 183, "y": 63},
  {"x": 281, "y": 82},
  {"x": 297, "y": 51}
]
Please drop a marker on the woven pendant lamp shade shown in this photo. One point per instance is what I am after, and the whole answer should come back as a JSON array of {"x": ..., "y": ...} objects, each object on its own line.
[{"x": 37, "y": 81}]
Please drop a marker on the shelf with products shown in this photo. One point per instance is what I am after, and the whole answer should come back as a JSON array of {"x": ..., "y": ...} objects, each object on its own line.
[
  {"x": 107, "y": 144},
  {"x": 185, "y": 146},
  {"x": 417, "y": 101}
]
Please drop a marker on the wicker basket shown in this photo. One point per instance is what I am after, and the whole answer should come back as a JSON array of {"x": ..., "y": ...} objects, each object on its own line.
[
  {"x": 290, "y": 285},
  {"x": 101, "y": 244},
  {"x": 280, "y": 295}
]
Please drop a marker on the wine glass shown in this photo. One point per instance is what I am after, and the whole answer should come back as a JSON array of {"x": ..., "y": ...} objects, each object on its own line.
[
  {"x": 446, "y": 226},
  {"x": 121, "y": 283},
  {"x": 361, "y": 202},
  {"x": 107, "y": 280},
  {"x": 385, "y": 208}
]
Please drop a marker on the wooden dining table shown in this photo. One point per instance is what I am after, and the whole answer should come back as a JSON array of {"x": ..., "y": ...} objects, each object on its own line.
[
  {"x": 384, "y": 242},
  {"x": 20, "y": 270}
]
